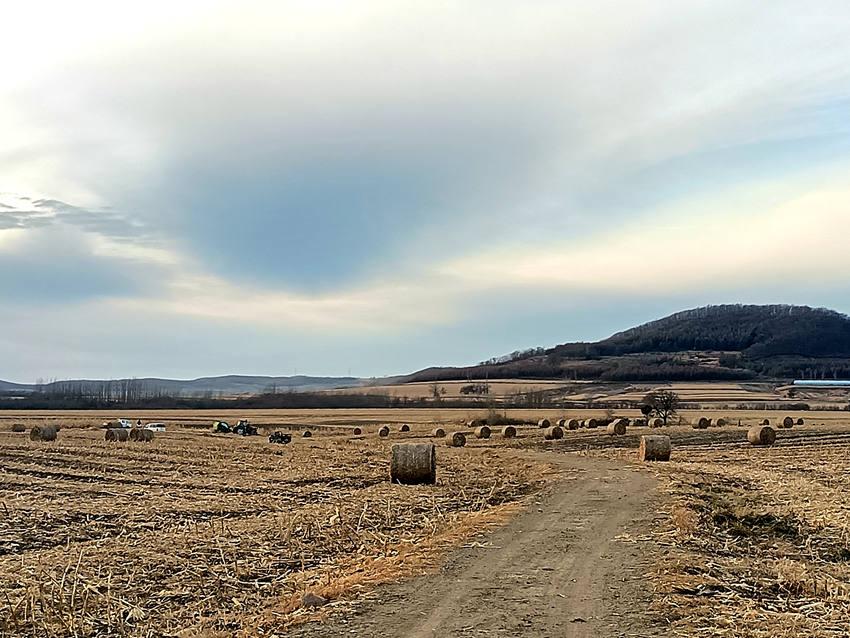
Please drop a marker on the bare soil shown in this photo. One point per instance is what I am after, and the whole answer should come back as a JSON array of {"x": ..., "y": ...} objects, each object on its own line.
[{"x": 566, "y": 566}]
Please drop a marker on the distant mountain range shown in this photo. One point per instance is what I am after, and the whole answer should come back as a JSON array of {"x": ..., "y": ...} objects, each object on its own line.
[
  {"x": 725, "y": 342},
  {"x": 225, "y": 385}
]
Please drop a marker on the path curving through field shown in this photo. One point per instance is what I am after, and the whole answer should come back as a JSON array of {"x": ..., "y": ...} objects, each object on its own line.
[{"x": 557, "y": 569}]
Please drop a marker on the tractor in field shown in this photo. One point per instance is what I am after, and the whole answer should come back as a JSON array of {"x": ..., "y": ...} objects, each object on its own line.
[
  {"x": 279, "y": 437},
  {"x": 243, "y": 428},
  {"x": 221, "y": 427}
]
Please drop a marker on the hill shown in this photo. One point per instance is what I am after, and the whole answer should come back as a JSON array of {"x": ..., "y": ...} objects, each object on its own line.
[
  {"x": 728, "y": 342},
  {"x": 228, "y": 385}
]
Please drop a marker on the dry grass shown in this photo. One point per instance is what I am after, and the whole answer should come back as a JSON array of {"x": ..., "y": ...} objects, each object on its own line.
[
  {"x": 200, "y": 534},
  {"x": 757, "y": 539}
]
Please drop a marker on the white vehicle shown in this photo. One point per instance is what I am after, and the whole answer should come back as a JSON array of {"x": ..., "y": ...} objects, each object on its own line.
[
  {"x": 125, "y": 423},
  {"x": 156, "y": 427}
]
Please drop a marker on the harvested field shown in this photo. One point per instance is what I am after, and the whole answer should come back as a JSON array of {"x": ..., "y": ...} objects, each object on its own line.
[{"x": 217, "y": 533}]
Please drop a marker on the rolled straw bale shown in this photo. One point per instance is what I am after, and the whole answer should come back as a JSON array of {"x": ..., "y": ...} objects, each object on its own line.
[
  {"x": 384, "y": 432},
  {"x": 508, "y": 432},
  {"x": 654, "y": 447},
  {"x": 591, "y": 423},
  {"x": 800, "y": 422},
  {"x": 141, "y": 434},
  {"x": 116, "y": 434},
  {"x": 573, "y": 424},
  {"x": 456, "y": 439},
  {"x": 357, "y": 431},
  {"x": 562, "y": 423},
  {"x": 761, "y": 435},
  {"x": 19, "y": 427},
  {"x": 439, "y": 433},
  {"x": 552, "y": 433},
  {"x": 701, "y": 424},
  {"x": 720, "y": 422},
  {"x": 656, "y": 423},
  {"x": 404, "y": 428},
  {"x": 787, "y": 422},
  {"x": 543, "y": 423},
  {"x": 482, "y": 432},
  {"x": 307, "y": 434},
  {"x": 43, "y": 433},
  {"x": 766, "y": 422},
  {"x": 617, "y": 427},
  {"x": 413, "y": 464}
]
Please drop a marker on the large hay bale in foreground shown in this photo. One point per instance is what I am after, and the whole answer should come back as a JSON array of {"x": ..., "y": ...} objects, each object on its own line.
[
  {"x": 404, "y": 428},
  {"x": 413, "y": 464},
  {"x": 456, "y": 439},
  {"x": 117, "y": 434},
  {"x": 617, "y": 427},
  {"x": 761, "y": 435},
  {"x": 384, "y": 432},
  {"x": 141, "y": 434},
  {"x": 573, "y": 424},
  {"x": 508, "y": 432},
  {"x": 19, "y": 427},
  {"x": 553, "y": 432},
  {"x": 787, "y": 422},
  {"x": 439, "y": 433},
  {"x": 543, "y": 423},
  {"x": 591, "y": 423},
  {"x": 482, "y": 432},
  {"x": 654, "y": 447},
  {"x": 43, "y": 433}
]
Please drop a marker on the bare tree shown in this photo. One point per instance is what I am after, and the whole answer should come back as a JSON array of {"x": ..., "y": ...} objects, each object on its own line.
[{"x": 663, "y": 403}]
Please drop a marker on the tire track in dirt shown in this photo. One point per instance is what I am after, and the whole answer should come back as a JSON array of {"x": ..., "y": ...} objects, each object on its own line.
[{"x": 556, "y": 569}]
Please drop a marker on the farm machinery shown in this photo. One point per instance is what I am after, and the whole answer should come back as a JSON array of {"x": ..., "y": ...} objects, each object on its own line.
[{"x": 242, "y": 428}]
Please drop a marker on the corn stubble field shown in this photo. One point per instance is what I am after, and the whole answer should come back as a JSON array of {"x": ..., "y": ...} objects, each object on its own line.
[{"x": 197, "y": 534}]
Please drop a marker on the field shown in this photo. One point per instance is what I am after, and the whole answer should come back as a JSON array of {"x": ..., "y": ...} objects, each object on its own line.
[{"x": 199, "y": 534}]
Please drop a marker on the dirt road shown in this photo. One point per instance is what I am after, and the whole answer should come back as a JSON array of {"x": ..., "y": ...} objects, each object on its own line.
[{"x": 554, "y": 570}]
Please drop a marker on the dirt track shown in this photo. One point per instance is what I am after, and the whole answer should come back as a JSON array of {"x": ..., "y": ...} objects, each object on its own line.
[{"x": 554, "y": 570}]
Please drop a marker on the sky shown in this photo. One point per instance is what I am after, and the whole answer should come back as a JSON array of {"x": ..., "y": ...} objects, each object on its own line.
[{"x": 369, "y": 188}]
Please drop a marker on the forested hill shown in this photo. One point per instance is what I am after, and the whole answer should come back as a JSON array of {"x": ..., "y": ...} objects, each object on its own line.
[
  {"x": 757, "y": 331},
  {"x": 714, "y": 342}
]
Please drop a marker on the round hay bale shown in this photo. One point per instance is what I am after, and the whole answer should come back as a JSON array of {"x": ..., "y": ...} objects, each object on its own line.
[
  {"x": 562, "y": 423},
  {"x": 654, "y": 447},
  {"x": 455, "y": 439},
  {"x": 766, "y": 422},
  {"x": 19, "y": 427},
  {"x": 800, "y": 422},
  {"x": 720, "y": 422},
  {"x": 573, "y": 424},
  {"x": 384, "y": 432},
  {"x": 439, "y": 433},
  {"x": 543, "y": 423},
  {"x": 591, "y": 423},
  {"x": 552, "y": 433},
  {"x": 508, "y": 432},
  {"x": 656, "y": 423},
  {"x": 141, "y": 435},
  {"x": 413, "y": 464},
  {"x": 617, "y": 427},
  {"x": 761, "y": 435},
  {"x": 43, "y": 433},
  {"x": 307, "y": 434},
  {"x": 357, "y": 431},
  {"x": 787, "y": 422},
  {"x": 701, "y": 424},
  {"x": 404, "y": 428},
  {"x": 482, "y": 432},
  {"x": 474, "y": 423},
  {"x": 117, "y": 434}
]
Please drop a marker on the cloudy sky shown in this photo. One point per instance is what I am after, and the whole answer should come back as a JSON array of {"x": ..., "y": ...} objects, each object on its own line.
[{"x": 200, "y": 188}]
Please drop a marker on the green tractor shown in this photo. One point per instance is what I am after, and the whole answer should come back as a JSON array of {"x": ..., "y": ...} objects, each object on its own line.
[{"x": 221, "y": 427}]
